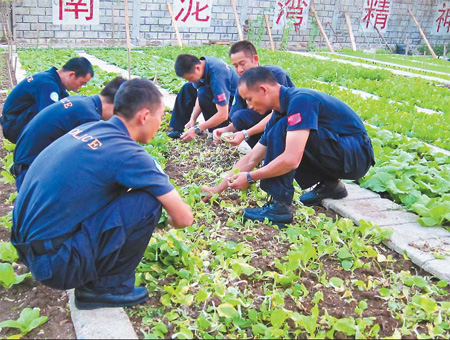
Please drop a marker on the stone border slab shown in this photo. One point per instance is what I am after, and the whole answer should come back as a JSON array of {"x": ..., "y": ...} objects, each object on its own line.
[
  {"x": 102, "y": 323},
  {"x": 408, "y": 237}
]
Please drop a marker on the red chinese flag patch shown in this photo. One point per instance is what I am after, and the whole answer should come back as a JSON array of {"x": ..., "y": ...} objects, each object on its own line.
[
  {"x": 221, "y": 97},
  {"x": 294, "y": 119}
]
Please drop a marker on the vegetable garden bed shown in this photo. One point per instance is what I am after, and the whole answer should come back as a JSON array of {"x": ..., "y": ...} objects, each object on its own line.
[{"x": 321, "y": 277}]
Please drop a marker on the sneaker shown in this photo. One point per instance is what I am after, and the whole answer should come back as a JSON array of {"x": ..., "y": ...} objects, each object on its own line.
[
  {"x": 278, "y": 212},
  {"x": 325, "y": 189},
  {"x": 174, "y": 134},
  {"x": 86, "y": 298}
]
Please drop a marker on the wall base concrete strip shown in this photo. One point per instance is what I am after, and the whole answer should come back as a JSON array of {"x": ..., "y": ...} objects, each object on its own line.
[
  {"x": 419, "y": 243},
  {"x": 102, "y": 323},
  {"x": 169, "y": 98}
]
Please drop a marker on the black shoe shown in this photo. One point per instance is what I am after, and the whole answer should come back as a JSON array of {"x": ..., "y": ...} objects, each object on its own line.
[
  {"x": 86, "y": 298},
  {"x": 174, "y": 134},
  {"x": 279, "y": 213},
  {"x": 325, "y": 189}
]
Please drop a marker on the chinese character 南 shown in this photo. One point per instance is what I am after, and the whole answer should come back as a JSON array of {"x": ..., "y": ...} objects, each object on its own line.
[
  {"x": 77, "y": 7},
  {"x": 444, "y": 18},
  {"x": 184, "y": 14}
]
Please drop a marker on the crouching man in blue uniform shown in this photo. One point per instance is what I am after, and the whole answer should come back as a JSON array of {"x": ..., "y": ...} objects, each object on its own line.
[
  {"x": 40, "y": 90},
  {"x": 247, "y": 124},
  {"x": 56, "y": 120},
  {"x": 210, "y": 91},
  {"x": 90, "y": 201},
  {"x": 312, "y": 138}
]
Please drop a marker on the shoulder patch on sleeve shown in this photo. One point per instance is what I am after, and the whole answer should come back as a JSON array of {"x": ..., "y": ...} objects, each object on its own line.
[
  {"x": 221, "y": 97},
  {"x": 54, "y": 96},
  {"x": 294, "y": 118}
]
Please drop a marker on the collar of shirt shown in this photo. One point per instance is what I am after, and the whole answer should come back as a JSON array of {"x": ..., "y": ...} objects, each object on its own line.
[
  {"x": 206, "y": 72},
  {"x": 98, "y": 103},
  {"x": 55, "y": 74},
  {"x": 117, "y": 122},
  {"x": 284, "y": 100}
]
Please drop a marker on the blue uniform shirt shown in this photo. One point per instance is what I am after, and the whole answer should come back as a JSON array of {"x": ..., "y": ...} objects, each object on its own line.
[
  {"x": 221, "y": 78},
  {"x": 53, "y": 122},
  {"x": 308, "y": 109},
  {"x": 29, "y": 97},
  {"x": 280, "y": 75},
  {"x": 78, "y": 175}
]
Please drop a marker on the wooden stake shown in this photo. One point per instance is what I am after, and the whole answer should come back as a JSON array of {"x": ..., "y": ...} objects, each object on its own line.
[
  {"x": 445, "y": 50},
  {"x": 236, "y": 18},
  {"x": 381, "y": 36},
  {"x": 127, "y": 30},
  {"x": 350, "y": 31},
  {"x": 407, "y": 48},
  {"x": 174, "y": 24},
  {"x": 266, "y": 18},
  {"x": 321, "y": 29},
  {"x": 423, "y": 34}
]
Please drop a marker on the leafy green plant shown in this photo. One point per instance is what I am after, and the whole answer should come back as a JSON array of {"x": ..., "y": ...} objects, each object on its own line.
[
  {"x": 7, "y": 276},
  {"x": 7, "y": 252},
  {"x": 28, "y": 320}
]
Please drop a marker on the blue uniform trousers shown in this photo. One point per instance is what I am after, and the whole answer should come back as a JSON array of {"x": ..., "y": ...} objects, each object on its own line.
[
  {"x": 103, "y": 253},
  {"x": 244, "y": 120},
  {"x": 13, "y": 128},
  {"x": 185, "y": 102},
  {"x": 327, "y": 156}
]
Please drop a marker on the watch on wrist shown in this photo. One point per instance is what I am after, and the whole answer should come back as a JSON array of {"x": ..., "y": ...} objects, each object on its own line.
[
  {"x": 246, "y": 135},
  {"x": 197, "y": 130},
  {"x": 250, "y": 180}
]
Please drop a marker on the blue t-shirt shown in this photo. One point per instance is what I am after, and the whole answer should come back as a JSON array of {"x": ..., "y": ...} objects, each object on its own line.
[
  {"x": 280, "y": 75},
  {"x": 78, "y": 175},
  {"x": 29, "y": 97},
  {"x": 308, "y": 109},
  {"x": 53, "y": 122},
  {"x": 221, "y": 78}
]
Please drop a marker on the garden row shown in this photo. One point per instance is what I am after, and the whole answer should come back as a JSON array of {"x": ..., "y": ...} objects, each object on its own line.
[
  {"x": 417, "y": 64},
  {"x": 320, "y": 277},
  {"x": 407, "y": 169}
]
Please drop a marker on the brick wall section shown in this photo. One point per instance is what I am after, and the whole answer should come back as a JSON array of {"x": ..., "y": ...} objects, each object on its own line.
[{"x": 151, "y": 24}]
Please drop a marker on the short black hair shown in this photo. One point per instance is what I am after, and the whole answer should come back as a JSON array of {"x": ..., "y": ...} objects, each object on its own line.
[
  {"x": 185, "y": 64},
  {"x": 135, "y": 94},
  {"x": 109, "y": 91},
  {"x": 256, "y": 75},
  {"x": 243, "y": 46},
  {"x": 80, "y": 65}
]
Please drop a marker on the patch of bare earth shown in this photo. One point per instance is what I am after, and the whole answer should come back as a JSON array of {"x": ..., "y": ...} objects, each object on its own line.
[{"x": 52, "y": 303}]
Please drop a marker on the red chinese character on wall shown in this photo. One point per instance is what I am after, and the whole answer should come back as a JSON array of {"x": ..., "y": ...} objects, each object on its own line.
[
  {"x": 443, "y": 19},
  {"x": 376, "y": 13},
  {"x": 293, "y": 9},
  {"x": 77, "y": 7},
  {"x": 195, "y": 13}
]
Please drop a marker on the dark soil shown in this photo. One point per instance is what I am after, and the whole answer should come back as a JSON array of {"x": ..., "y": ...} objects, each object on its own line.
[
  {"x": 32, "y": 294},
  {"x": 266, "y": 237}
]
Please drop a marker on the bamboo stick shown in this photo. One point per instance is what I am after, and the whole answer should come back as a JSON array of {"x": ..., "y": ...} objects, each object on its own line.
[
  {"x": 236, "y": 18},
  {"x": 321, "y": 29},
  {"x": 266, "y": 18},
  {"x": 423, "y": 34},
  {"x": 350, "y": 31},
  {"x": 174, "y": 24}
]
